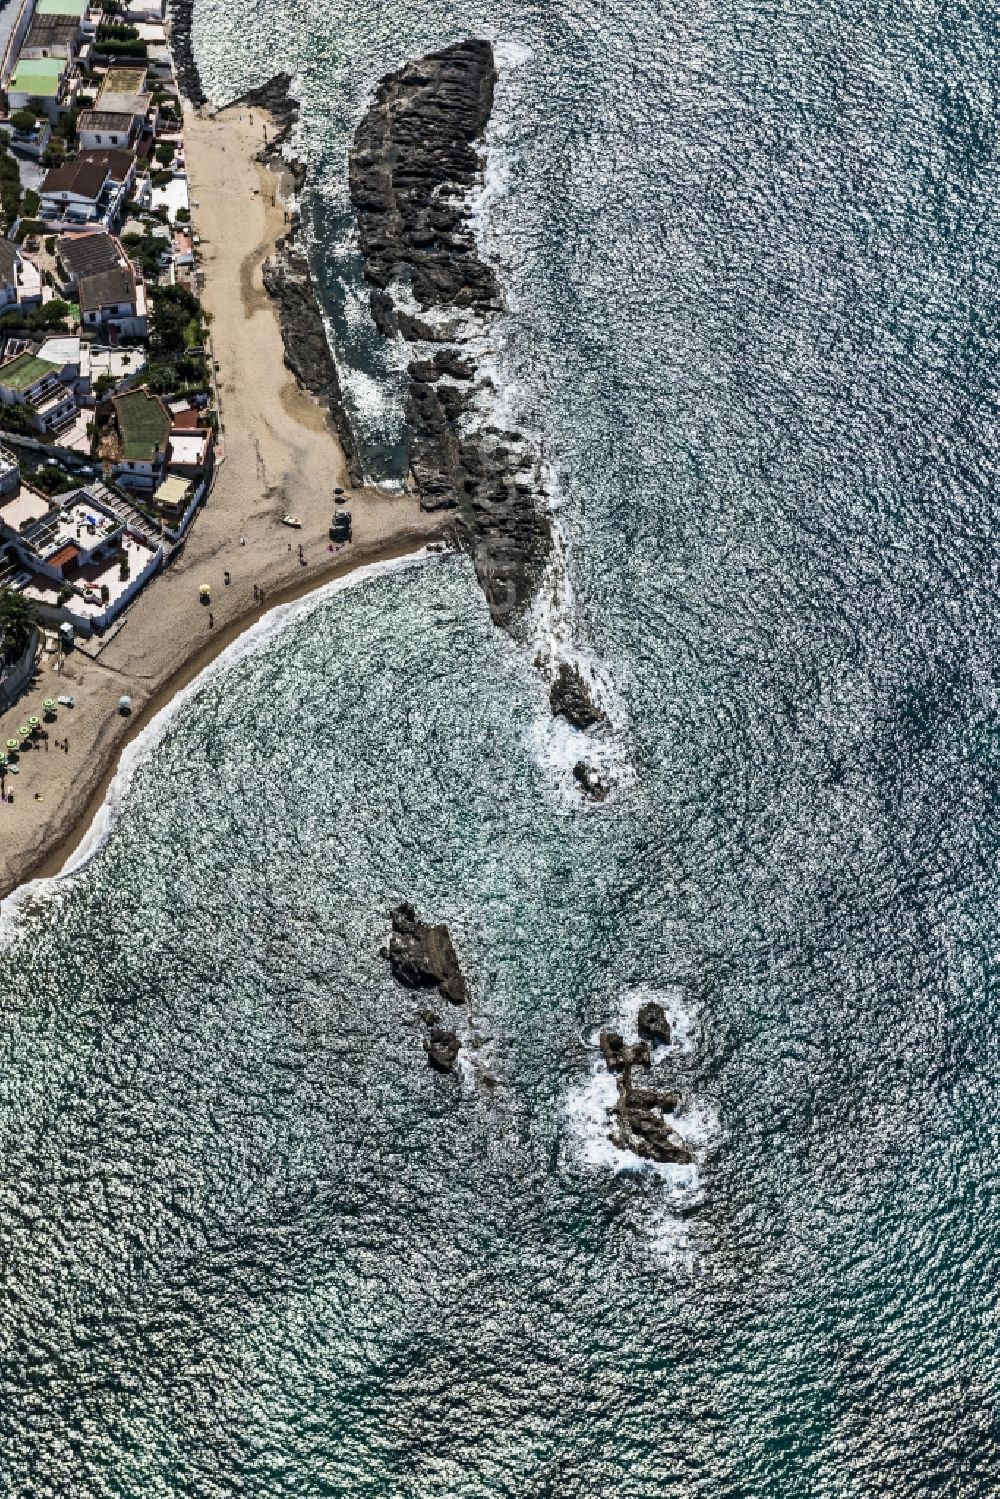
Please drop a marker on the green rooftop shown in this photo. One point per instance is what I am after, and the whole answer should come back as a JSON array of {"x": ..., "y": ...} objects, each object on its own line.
[
  {"x": 144, "y": 424},
  {"x": 40, "y": 76},
  {"x": 75, "y": 8},
  {"x": 24, "y": 370}
]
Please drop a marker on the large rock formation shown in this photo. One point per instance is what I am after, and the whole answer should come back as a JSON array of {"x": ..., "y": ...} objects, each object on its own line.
[
  {"x": 413, "y": 160},
  {"x": 423, "y": 957},
  {"x": 639, "y": 1116},
  {"x": 570, "y": 698}
]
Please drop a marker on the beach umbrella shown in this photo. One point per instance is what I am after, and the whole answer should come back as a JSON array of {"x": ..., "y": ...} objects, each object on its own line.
[
  {"x": 34, "y": 722},
  {"x": 124, "y": 702},
  {"x": 13, "y": 744},
  {"x": 24, "y": 731},
  {"x": 49, "y": 705}
]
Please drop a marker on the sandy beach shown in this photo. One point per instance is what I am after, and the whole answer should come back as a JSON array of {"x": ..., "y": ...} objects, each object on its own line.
[{"x": 280, "y": 455}]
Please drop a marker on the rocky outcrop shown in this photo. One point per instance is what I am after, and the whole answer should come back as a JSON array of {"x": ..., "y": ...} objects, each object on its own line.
[
  {"x": 570, "y": 698},
  {"x": 289, "y": 280},
  {"x": 182, "y": 51},
  {"x": 618, "y": 1057},
  {"x": 640, "y": 1124},
  {"x": 442, "y": 1047},
  {"x": 653, "y": 1022},
  {"x": 423, "y": 957},
  {"x": 593, "y": 786},
  {"x": 414, "y": 158},
  {"x": 639, "y": 1116}
]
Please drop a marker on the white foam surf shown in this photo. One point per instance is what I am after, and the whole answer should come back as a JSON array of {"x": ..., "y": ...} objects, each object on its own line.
[{"x": 680, "y": 1187}]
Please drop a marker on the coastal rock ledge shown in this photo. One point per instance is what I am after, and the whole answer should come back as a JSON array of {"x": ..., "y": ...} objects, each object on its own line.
[{"x": 413, "y": 166}]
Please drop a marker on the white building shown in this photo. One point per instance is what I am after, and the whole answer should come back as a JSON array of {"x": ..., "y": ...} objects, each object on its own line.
[
  {"x": 20, "y": 278},
  {"x": 94, "y": 188},
  {"x": 34, "y": 385},
  {"x": 100, "y": 128},
  {"x": 10, "y": 473},
  {"x": 114, "y": 300}
]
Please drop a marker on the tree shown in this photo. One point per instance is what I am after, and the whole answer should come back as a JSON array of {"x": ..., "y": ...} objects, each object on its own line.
[
  {"x": 165, "y": 153},
  {"x": 31, "y": 204},
  {"x": 23, "y": 119},
  {"x": 17, "y": 620}
]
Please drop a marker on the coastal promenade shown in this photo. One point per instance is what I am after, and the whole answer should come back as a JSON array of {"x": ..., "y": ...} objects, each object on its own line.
[{"x": 281, "y": 455}]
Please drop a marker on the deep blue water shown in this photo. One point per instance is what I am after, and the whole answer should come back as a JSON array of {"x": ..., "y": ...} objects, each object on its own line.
[{"x": 249, "y": 1243}]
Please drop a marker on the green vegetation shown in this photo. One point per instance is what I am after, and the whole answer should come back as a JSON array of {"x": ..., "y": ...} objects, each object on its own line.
[
  {"x": 178, "y": 321},
  {"x": 127, "y": 50},
  {"x": 53, "y": 316},
  {"x": 24, "y": 119},
  {"x": 17, "y": 620},
  {"x": 66, "y": 127},
  {"x": 50, "y": 479},
  {"x": 145, "y": 249},
  {"x": 27, "y": 227},
  {"x": 10, "y": 190},
  {"x": 120, "y": 31},
  {"x": 15, "y": 419},
  {"x": 165, "y": 153},
  {"x": 30, "y": 204},
  {"x": 161, "y": 179}
]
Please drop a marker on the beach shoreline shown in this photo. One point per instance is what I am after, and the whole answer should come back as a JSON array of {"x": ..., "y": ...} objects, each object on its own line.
[{"x": 280, "y": 454}]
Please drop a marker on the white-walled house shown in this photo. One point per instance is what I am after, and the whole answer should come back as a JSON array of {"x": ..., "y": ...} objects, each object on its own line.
[
  {"x": 99, "y": 129},
  {"x": 94, "y": 188},
  {"x": 10, "y": 473},
  {"x": 144, "y": 423},
  {"x": 115, "y": 300},
  {"x": 34, "y": 385},
  {"x": 20, "y": 278}
]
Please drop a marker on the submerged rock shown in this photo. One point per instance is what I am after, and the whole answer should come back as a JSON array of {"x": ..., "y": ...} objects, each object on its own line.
[
  {"x": 422, "y": 956},
  {"x": 570, "y": 698},
  {"x": 653, "y": 1022}
]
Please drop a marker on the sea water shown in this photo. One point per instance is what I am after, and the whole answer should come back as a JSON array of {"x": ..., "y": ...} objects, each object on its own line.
[{"x": 250, "y": 1243}]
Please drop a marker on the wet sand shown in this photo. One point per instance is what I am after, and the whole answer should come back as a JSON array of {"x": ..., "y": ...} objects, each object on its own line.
[{"x": 280, "y": 455}]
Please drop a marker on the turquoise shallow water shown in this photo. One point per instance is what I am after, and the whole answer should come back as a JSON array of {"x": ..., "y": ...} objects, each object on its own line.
[{"x": 249, "y": 1243}]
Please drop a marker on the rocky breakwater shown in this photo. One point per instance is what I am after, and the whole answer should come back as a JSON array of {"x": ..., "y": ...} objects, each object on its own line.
[
  {"x": 415, "y": 160},
  {"x": 640, "y": 1116},
  {"x": 289, "y": 280},
  {"x": 180, "y": 13},
  {"x": 422, "y": 956}
]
